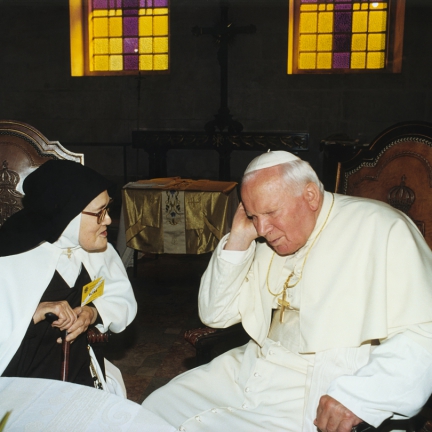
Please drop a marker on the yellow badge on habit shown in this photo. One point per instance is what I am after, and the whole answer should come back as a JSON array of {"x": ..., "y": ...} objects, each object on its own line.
[{"x": 92, "y": 291}]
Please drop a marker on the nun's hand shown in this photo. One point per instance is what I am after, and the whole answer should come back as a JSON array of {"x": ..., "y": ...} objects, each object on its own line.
[
  {"x": 66, "y": 315},
  {"x": 86, "y": 315}
]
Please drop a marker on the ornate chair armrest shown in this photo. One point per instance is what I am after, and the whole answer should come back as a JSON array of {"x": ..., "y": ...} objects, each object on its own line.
[
  {"x": 94, "y": 336},
  {"x": 195, "y": 335}
]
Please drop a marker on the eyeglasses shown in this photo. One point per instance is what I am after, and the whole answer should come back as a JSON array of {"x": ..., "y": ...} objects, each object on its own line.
[{"x": 100, "y": 215}]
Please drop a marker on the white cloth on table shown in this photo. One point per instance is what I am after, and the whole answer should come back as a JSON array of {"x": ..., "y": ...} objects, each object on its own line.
[
  {"x": 52, "y": 406},
  {"x": 368, "y": 276}
]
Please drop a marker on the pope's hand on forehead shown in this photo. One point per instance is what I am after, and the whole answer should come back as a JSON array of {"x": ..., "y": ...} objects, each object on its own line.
[{"x": 243, "y": 231}]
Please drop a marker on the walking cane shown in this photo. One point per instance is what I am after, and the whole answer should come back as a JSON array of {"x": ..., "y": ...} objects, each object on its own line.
[{"x": 50, "y": 317}]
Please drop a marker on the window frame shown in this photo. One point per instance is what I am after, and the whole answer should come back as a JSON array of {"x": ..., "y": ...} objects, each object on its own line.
[
  {"x": 393, "y": 51},
  {"x": 80, "y": 49}
]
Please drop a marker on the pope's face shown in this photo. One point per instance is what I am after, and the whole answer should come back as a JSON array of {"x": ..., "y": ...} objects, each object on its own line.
[
  {"x": 93, "y": 236},
  {"x": 284, "y": 220}
]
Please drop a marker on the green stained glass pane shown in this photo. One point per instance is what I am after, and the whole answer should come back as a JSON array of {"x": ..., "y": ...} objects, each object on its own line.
[
  {"x": 115, "y": 27},
  {"x": 161, "y": 45},
  {"x": 375, "y": 60},
  {"x": 160, "y": 62},
  {"x": 100, "y": 27},
  {"x": 146, "y": 45},
  {"x": 307, "y": 61},
  {"x": 308, "y": 43},
  {"x": 308, "y": 22},
  {"x": 360, "y": 21},
  {"x": 376, "y": 41},
  {"x": 377, "y": 21},
  {"x": 116, "y": 62},
  {"x": 101, "y": 63},
  {"x": 146, "y": 62},
  {"x": 116, "y": 46},
  {"x": 324, "y": 61},
  {"x": 145, "y": 26},
  {"x": 160, "y": 26},
  {"x": 325, "y": 22},
  {"x": 325, "y": 42},
  {"x": 101, "y": 46},
  {"x": 358, "y": 60},
  {"x": 358, "y": 42}
]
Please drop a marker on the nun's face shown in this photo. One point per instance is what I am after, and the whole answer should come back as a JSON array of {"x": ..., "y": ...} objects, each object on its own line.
[{"x": 92, "y": 235}]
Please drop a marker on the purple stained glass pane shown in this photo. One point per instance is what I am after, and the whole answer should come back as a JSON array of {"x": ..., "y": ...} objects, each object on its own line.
[
  {"x": 130, "y": 3},
  {"x": 100, "y": 4},
  {"x": 160, "y": 3},
  {"x": 343, "y": 6},
  {"x": 341, "y": 42},
  {"x": 308, "y": 1},
  {"x": 341, "y": 60},
  {"x": 130, "y": 45},
  {"x": 130, "y": 62},
  {"x": 342, "y": 22},
  {"x": 115, "y": 4},
  {"x": 130, "y": 26},
  {"x": 130, "y": 12},
  {"x": 343, "y": 1}
]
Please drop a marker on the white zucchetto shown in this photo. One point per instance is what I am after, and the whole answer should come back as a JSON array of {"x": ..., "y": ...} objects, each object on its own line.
[{"x": 270, "y": 159}]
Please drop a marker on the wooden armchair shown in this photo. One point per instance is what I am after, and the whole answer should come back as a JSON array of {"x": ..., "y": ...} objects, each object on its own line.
[
  {"x": 22, "y": 150},
  {"x": 396, "y": 168}
]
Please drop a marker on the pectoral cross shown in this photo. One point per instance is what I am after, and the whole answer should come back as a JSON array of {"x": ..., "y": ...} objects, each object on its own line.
[{"x": 283, "y": 304}]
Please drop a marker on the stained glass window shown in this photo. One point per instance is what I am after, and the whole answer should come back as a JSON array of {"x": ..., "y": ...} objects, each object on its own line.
[
  {"x": 113, "y": 37},
  {"x": 331, "y": 36}
]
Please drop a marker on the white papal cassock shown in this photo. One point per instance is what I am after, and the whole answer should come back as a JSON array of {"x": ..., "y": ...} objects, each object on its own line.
[{"x": 367, "y": 277}]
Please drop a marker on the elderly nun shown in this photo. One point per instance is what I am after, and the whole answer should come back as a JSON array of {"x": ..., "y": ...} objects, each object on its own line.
[{"x": 55, "y": 259}]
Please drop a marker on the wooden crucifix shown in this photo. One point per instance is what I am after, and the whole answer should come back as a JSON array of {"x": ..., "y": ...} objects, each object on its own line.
[{"x": 224, "y": 32}]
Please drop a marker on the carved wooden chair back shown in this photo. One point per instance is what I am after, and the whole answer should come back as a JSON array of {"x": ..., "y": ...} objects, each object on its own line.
[
  {"x": 22, "y": 150},
  {"x": 397, "y": 169}
]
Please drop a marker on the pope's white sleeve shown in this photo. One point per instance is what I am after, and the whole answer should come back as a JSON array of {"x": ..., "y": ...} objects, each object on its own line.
[
  {"x": 221, "y": 284},
  {"x": 396, "y": 380}
]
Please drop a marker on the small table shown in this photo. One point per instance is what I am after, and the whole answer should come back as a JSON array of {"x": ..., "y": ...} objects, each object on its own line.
[
  {"x": 52, "y": 406},
  {"x": 174, "y": 215}
]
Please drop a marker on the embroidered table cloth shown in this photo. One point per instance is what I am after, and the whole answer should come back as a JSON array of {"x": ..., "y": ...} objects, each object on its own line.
[{"x": 180, "y": 216}]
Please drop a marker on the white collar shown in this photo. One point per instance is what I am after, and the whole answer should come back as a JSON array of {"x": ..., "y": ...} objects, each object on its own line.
[{"x": 69, "y": 263}]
